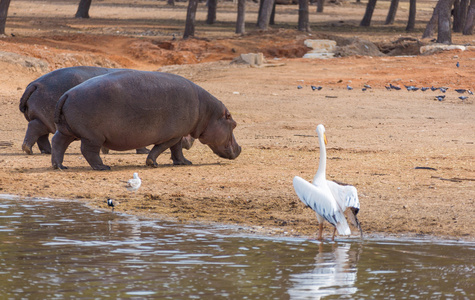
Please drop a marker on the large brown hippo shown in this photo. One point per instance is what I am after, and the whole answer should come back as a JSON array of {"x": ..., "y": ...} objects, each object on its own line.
[
  {"x": 131, "y": 109},
  {"x": 39, "y": 101}
]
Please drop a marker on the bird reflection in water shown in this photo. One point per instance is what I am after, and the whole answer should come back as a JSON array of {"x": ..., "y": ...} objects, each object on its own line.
[{"x": 334, "y": 272}]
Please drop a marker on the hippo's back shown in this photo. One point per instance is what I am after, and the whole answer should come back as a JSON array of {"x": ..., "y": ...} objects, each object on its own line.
[
  {"x": 145, "y": 107},
  {"x": 40, "y": 96}
]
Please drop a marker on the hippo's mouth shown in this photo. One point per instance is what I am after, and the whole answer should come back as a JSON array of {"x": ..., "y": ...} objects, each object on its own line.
[{"x": 230, "y": 151}]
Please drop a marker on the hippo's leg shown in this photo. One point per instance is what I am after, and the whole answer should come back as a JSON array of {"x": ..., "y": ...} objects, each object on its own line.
[
  {"x": 35, "y": 130},
  {"x": 60, "y": 144},
  {"x": 177, "y": 155},
  {"x": 157, "y": 150},
  {"x": 142, "y": 151},
  {"x": 43, "y": 144},
  {"x": 90, "y": 151},
  {"x": 187, "y": 142},
  {"x": 104, "y": 150}
]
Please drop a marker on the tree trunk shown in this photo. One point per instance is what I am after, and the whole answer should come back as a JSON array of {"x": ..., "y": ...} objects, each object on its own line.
[
  {"x": 444, "y": 33},
  {"x": 303, "y": 16},
  {"x": 83, "y": 9},
  {"x": 460, "y": 16},
  {"x": 320, "y": 4},
  {"x": 190, "y": 19},
  {"x": 212, "y": 5},
  {"x": 4, "y": 4},
  {"x": 241, "y": 16},
  {"x": 264, "y": 17},
  {"x": 430, "y": 28},
  {"x": 392, "y": 12},
  {"x": 412, "y": 16},
  {"x": 469, "y": 22},
  {"x": 272, "y": 15},
  {"x": 369, "y": 13}
]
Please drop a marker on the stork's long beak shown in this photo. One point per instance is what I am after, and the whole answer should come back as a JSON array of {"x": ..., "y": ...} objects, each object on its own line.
[{"x": 325, "y": 138}]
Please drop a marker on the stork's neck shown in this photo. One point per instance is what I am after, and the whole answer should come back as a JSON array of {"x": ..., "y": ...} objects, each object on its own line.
[{"x": 322, "y": 165}]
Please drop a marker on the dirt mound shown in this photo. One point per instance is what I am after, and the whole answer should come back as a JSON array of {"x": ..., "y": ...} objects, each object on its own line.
[
  {"x": 356, "y": 46},
  {"x": 31, "y": 63}
]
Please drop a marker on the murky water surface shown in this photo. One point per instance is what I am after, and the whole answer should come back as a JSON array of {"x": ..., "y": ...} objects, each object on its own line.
[{"x": 58, "y": 250}]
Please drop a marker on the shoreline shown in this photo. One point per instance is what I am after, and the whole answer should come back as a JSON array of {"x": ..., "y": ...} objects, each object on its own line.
[{"x": 262, "y": 231}]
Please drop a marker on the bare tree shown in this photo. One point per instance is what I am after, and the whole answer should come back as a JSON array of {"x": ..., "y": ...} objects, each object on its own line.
[
  {"x": 392, "y": 12},
  {"x": 444, "y": 33},
  {"x": 4, "y": 4},
  {"x": 430, "y": 27},
  {"x": 369, "y": 13},
  {"x": 212, "y": 6},
  {"x": 241, "y": 16},
  {"x": 460, "y": 14},
  {"x": 303, "y": 16},
  {"x": 190, "y": 19},
  {"x": 469, "y": 22},
  {"x": 320, "y": 4},
  {"x": 264, "y": 14},
  {"x": 412, "y": 16},
  {"x": 83, "y": 9}
]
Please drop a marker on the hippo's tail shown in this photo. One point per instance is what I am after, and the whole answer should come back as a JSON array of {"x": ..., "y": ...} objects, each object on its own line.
[
  {"x": 30, "y": 89},
  {"x": 59, "y": 108}
]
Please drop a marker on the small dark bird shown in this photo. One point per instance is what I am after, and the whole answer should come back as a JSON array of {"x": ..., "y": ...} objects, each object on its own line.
[
  {"x": 394, "y": 87},
  {"x": 440, "y": 98},
  {"x": 363, "y": 89},
  {"x": 299, "y": 87},
  {"x": 460, "y": 91},
  {"x": 433, "y": 89},
  {"x": 457, "y": 64},
  {"x": 470, "y": 92},
  {"x": 387, "y": 87},
  {"x": 411, "y": 88},
  {"x": 424, "y": 89},
  {"x": 174, "y": 37},
  {"x": 316, "y": 88},
  {"x": 463, "y": 98},
  {"x": 110, "y": 203},
  {"x": 349, "y": 87},
  {"x": 367, "y": 86},
  {"x": 13, "y": 35},
  {"x": 443, "y": 90}
]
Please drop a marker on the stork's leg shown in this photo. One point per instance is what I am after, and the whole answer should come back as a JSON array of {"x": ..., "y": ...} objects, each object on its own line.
[
  {"x": 320, "y": 232},
  {"x": 334, "y": 232}
]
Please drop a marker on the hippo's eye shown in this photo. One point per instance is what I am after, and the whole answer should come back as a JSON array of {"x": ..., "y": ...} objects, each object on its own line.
[{"x": 228, "y": 115}]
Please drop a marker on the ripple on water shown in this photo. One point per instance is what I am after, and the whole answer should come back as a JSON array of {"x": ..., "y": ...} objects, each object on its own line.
[{"x": 54, "y": 249}]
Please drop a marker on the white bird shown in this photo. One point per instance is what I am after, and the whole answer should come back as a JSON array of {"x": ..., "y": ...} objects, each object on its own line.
[
  {"x": 134, "y": 183},
  {"x": 328, "y": 199},
  {"x": 111, "y": 203}
]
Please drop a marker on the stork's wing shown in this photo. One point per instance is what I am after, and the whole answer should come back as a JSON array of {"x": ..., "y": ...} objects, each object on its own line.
[
  {"x": 322, "y": 203},
  {"x": 345, "y": 195}
]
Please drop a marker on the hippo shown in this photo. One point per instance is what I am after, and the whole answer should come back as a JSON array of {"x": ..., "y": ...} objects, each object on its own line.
[
  {"x": 131, "y": 109},
  {"x": 39, "y": 101}
]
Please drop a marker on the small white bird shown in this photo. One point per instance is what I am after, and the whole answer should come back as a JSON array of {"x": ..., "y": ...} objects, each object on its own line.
[
  {"x": 134, "y": 183},
  {"x": 328, "y": 199}
]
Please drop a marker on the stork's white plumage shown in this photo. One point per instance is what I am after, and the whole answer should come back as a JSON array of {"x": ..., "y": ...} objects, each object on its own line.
[
  {"x": 134, "y": 183},
  {"x": 328, "y": 199}
]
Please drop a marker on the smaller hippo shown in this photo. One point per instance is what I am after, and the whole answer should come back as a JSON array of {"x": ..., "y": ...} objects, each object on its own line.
[
  {"x": 39, "y": 101},
  {"x": 130, "y": 109}
]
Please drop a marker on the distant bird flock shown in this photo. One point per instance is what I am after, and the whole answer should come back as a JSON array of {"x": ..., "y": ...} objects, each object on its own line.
[{"x": 409, "y": 88}]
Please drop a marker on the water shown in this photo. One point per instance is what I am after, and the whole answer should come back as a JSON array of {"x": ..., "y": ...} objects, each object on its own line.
[{"x": 59, "y": 250}]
